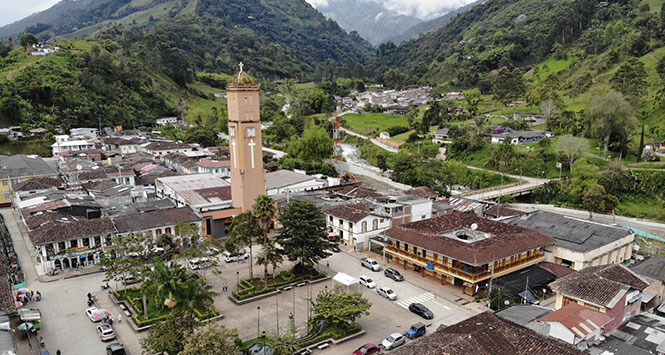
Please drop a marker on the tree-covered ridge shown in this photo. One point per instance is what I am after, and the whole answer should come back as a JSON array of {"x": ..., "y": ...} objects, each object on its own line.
[{"x": 82, "y": 85}]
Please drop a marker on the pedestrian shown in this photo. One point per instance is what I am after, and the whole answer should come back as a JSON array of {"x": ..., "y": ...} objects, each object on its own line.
[
  {"x": 57, "y": 352},
  {"x": 119, "y": 318},
  {"x": 89, "y": 296},
  {"x": 226, "y": 287},
  {"x": 110, "y": 320}
]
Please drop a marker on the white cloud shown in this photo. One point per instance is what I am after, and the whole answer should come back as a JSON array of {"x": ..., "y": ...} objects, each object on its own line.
[
  {"x": 318, "y": 4},
  {"x": 424, "y": 9},
  {"x": 10, "y": 11}
]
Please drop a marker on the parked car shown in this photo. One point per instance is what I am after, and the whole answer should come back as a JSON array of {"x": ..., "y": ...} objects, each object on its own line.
[
  {"x": 416, "y": 330},
  {"x": 366, "y": 281},
  {"x": 105, "y": 332},
  {"x": 421, "y": 310},
  {"x": 199, "y": 263},
  {"x": 235, "y": 257},
  {"x": 393, "y": 341},
  {"x": 387, "y": 292},
  {"x": 370, "y": 264},
  {"x": 115, "y": 349},
  {"x": 335, "y": 248},
  {"x": 367, "y": 349},
  {"x": 129, "y": 279},
  {"x": 393, "y": 274},
  {"x": 90, "y": 312}
]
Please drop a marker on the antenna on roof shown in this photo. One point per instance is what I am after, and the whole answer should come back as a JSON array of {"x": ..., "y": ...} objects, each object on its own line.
[{"x": 474, "y": 226}]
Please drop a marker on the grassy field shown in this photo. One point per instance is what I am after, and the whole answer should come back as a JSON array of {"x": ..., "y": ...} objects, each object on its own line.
[
  {"x": 38, "y": 147},
  {"x": 371, "y": 124}
]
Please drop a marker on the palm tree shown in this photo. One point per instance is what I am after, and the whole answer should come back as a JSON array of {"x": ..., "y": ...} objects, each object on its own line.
[
  {"x": 265, "y": 211},
  {"x": 244, "y": 228}
]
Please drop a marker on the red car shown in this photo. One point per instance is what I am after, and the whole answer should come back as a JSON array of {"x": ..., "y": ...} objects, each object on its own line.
[{"x": 367, "y": 349}]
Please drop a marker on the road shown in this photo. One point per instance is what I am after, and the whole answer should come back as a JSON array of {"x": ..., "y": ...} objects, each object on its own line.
[{"x": 529, "y": 183}]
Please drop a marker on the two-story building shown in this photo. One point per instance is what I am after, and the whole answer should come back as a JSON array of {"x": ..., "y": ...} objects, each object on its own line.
[
  {"x": 158, "y": 149},
  {"x": 63, "y": 143},
  {"x": 464, "y": 249},
  {"x": 217, "y": 167},
  {"x": 610, "y": 289},
  {"x": 355, "y": 223},
  {"x": 18, "y": 168},
  {"x": 579, "y": 243},
  {"x": 123, "y": 145}
]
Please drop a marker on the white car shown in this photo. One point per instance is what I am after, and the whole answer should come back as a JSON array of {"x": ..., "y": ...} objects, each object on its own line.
[
  {"x": 387, "y": 292},
  {"x": 199, "y": 263},
  {"x": 90, "y": 312},
  {"x": 393, "y": 341},
  {"x": 105, "y": 332},
  {"x": 233, "y": 258},
  {"x": 366, "y": 281},
  {"x": 370, "y": 264}
]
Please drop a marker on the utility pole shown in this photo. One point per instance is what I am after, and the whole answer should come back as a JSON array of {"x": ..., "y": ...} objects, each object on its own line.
[
  {"x": 526, "y": 289},
  {"x": 489, "y": 292}
]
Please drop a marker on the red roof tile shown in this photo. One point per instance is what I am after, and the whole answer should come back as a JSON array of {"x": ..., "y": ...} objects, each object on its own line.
[{"x": 578, "y": 319}]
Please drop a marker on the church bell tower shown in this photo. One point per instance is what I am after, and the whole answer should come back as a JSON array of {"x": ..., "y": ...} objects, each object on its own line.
[{"x": 247, "y": 175}]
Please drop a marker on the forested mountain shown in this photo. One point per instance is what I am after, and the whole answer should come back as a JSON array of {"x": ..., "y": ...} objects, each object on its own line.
[
  {"x": 431, "y": 25},
  {"x": 370, "y": 19},
  {"x": 277, "y": 38},
  {"x": 38, "y": 21}
]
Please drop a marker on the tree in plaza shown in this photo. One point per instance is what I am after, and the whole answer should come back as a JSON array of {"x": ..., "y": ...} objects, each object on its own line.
[
  {"x": 211, "y": 340},
  {"x": 303, "y": 233},
  {"x": 189, "y": 233},
  {"x": 614, "y": 117},
  {"x": 129, "y": 256},
  {"x": 244, "y": 228},
  {"x": 171, "y": 284},
  {"x": 284, "y": 344},
  {"x": 265, "y": 211},
  {"x": 314, "y": 145},
  {"x": 572, "y": 146},
  {"x": 270, "y": 255},
  {"x": 341, "y": 307},
  {"x": 28, "y": 40},
  {"x": 170, "y": 335}
]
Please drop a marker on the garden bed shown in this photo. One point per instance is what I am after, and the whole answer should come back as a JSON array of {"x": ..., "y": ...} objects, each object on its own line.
[
  {"x": 132, "y": 297},
  {"x": 255, "y": 287}
]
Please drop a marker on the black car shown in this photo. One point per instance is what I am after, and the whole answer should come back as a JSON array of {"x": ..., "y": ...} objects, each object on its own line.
[
  {"x": 115, "y": 349},
  {"x": 393, "y": 274},
  {"x": 334, "y": 247},
  {"x": 421, "y": 310}
]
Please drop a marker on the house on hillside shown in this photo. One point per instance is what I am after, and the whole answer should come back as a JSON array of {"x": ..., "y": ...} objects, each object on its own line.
[{"x": 441, "y": 136}]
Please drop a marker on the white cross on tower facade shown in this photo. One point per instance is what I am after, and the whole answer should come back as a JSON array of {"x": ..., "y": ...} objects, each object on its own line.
[
  {"x": 235, "y": 153},
  {"x": 251, "y": 151},
  {"x": 241, "y": 66}
]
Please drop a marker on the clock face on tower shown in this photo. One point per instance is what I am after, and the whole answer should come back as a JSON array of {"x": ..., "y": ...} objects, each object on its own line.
[
  {"x": 232, "y": 131},
  {"x": 251, "y": 132}
]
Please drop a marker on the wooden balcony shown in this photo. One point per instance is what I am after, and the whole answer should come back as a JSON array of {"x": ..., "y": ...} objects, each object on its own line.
[{"x": 461, "y": 273}]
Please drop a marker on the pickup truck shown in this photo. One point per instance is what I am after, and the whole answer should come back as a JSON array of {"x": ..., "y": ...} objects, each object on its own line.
[
  {"x": 370, "y": 264},
  {"x": 416, "y": 330}
]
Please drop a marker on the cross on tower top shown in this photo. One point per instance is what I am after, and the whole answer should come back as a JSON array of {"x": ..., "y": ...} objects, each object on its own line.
[{"x": 241, "y": 66}]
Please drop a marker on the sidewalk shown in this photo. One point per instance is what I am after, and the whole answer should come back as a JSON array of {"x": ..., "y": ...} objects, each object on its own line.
[{"x": 124, "y": 332}]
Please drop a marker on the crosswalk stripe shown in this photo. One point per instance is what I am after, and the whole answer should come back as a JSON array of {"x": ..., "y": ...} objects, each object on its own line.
[{"x": 423, "y": 297}]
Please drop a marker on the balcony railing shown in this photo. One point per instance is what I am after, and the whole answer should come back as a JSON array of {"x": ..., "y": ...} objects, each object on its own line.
[{"x": 438, "y": 266}]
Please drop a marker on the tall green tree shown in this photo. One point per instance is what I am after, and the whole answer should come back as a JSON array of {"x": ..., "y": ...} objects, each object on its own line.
[
  {"x": 595, "y": 199},
  {"x": 265, "y": 211},
  {"x": 584, "y": 176},
  {"x": 284, "y": 344},
  {"x": 341, "y": 307},
  {"x": 303, "y": 233},
  {"x": 508, "y": 85},
  {"x": 270, "y": 254},
  {"x": 614, "y": 117},
  {"x": 212, "y": 339},
  {"x": 244, "y": 228},
  {"x": 572, "y": 146},
  {"x": 170, "y": 335},
  {"x": 28, "y": 40},
  {"x": 630, "y": 78},
  {"x": 314, "y": 145}
]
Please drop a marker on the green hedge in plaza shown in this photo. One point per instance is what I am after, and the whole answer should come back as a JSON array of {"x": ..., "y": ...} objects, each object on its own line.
[{"x": 256, "y": 286}]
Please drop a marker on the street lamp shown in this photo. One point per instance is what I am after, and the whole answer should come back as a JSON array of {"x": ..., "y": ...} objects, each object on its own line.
[
  {"x": 258, "y": 320},
  {"x": 277, "y": 311},
  {"x": 237, "y": 280}
]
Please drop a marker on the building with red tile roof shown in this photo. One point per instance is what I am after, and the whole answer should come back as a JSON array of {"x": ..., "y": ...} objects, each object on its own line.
[{"x": 574, "y": 324}]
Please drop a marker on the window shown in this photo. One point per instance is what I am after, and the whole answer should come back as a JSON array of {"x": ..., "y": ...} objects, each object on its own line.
[
  {"x": 330, "y": 218},
  {"x": 159, "y": 231},
  {"x": 86, "y": 242},
  {"x": 98, "y": 241},
  {"x": 424, "y": 253},
  {"x": 364, "y": 226},
  {"x": 397, "y": 244},
  {"x": 8, "y": 196},
  {"x": 232, "y": 131},
  {"x": 61, "y": 246},
  {"x": 415, "y": 250},
  {"x": 406, "y": 247},
  {"x": 375, "y": 224},
  {"x": 341, "y": 223},
  {"x": 246, "y": 99},
  {"x": 74, "y": 243},
  {"x": 168, "y": 230},
  {"x": 4, "y": 182},
  {"x": 350, "y": 225}
]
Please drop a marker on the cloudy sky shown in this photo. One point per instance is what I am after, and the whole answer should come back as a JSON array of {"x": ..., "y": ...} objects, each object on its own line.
[
  {"x": 11, "y": 11},
  {"x": 423, "y": 9}
]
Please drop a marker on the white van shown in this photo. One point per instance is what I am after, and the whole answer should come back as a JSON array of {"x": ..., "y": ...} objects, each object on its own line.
[{"x": 199, "y": 263}]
